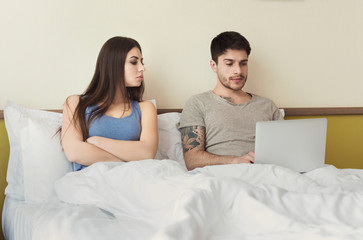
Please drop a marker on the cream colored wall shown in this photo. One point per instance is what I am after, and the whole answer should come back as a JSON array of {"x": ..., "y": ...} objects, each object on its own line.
[{"x": 305, "y": 53}]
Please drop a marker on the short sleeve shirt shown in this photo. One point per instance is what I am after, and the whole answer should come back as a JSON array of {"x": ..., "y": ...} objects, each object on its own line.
[{"x": 230, "y": 128}]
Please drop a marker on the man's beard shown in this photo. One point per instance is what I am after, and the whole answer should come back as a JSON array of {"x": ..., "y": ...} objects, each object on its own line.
[{"x": 226, "y": 84}]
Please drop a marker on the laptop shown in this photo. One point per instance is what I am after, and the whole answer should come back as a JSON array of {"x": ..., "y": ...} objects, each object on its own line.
[{"x": 295, "y": 144}]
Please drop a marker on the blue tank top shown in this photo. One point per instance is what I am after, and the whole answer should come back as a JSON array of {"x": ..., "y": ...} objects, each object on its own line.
[{"x": 125, "y": 128}]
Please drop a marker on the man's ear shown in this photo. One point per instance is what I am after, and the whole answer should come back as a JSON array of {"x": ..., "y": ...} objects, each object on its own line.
[{"x": 213, "y": 65}]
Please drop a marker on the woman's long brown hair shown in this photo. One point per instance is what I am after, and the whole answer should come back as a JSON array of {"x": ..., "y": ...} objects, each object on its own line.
[{"x": 108, "y": 78}]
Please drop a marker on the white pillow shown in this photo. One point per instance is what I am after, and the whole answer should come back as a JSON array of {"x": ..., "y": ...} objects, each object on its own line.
[
  {"x": 36, "y": 157},
  {"x": 282, "y": 111},
  {"x": 170, "y": 146}
]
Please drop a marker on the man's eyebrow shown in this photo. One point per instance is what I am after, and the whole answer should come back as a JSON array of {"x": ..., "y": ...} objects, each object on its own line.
[{"x": 232, "y": 60}]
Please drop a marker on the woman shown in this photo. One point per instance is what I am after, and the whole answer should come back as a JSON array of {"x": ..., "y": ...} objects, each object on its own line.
[{"x": 109, "y": 121}]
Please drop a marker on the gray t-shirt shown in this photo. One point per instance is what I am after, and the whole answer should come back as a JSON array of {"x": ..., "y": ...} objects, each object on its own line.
[{"x": 230, "y": 128}]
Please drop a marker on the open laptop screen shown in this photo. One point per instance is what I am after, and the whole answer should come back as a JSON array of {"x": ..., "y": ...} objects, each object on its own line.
[{"x": 295, "y": 144}]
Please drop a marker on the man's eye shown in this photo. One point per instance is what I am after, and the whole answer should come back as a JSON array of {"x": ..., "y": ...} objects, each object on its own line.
[{"x": 229, "y": 64}]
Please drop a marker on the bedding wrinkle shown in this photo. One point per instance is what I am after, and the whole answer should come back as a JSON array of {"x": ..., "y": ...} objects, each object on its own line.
[{"x": 241, "y": 201}]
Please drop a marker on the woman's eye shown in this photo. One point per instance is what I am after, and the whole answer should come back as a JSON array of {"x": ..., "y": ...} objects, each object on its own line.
[{"x": 133, "y": 63}]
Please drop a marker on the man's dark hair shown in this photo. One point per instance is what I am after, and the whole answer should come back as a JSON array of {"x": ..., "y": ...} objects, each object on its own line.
[{"x": 228, "y": 40}]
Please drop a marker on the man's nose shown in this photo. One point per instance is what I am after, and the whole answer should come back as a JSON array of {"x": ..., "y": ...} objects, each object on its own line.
[{"x": 237, "y": 70}]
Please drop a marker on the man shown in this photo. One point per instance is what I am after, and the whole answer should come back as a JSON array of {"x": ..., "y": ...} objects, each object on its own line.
[{"x": 218, "y": 126}]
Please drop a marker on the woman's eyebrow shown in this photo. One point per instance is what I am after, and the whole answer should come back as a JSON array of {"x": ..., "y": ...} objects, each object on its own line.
[{"x": 137, "y": 58}]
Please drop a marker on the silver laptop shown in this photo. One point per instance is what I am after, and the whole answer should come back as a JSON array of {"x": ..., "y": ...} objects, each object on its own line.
[{"x": 295, "y": 144}]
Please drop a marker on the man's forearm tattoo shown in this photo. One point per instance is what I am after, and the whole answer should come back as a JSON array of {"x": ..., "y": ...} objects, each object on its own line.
[{"x": 192, "y": 137}]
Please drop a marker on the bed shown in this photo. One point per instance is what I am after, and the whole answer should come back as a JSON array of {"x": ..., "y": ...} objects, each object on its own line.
[{"x": 160, "y": 199}]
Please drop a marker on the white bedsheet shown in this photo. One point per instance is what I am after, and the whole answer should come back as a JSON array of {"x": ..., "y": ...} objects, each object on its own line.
[{"x": 157, "y": 199}]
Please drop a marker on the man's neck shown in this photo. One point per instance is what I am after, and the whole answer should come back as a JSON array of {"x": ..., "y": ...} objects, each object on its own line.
[{"x": 236, "y": 97}]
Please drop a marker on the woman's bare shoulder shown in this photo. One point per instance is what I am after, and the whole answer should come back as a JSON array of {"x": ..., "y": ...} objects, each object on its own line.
[
  {"x": 71, "y": 102},
  {"x": 147, "y": 108},
  {"x": 147, "y": 105},
  {"x": 73, "y": 99}
]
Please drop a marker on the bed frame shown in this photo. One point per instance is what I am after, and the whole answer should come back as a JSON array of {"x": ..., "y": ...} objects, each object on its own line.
[
  {"x": 344, "y": 137},
  {"x": 288, "y": 111}
]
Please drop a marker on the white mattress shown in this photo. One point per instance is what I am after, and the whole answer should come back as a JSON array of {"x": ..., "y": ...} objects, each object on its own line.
[
  {"x": 20, "y": 219},
  {"x": 17, "y": 219}
]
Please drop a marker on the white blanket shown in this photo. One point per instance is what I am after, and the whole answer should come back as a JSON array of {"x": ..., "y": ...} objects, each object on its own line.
[{"x": 157, "y": 199}]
